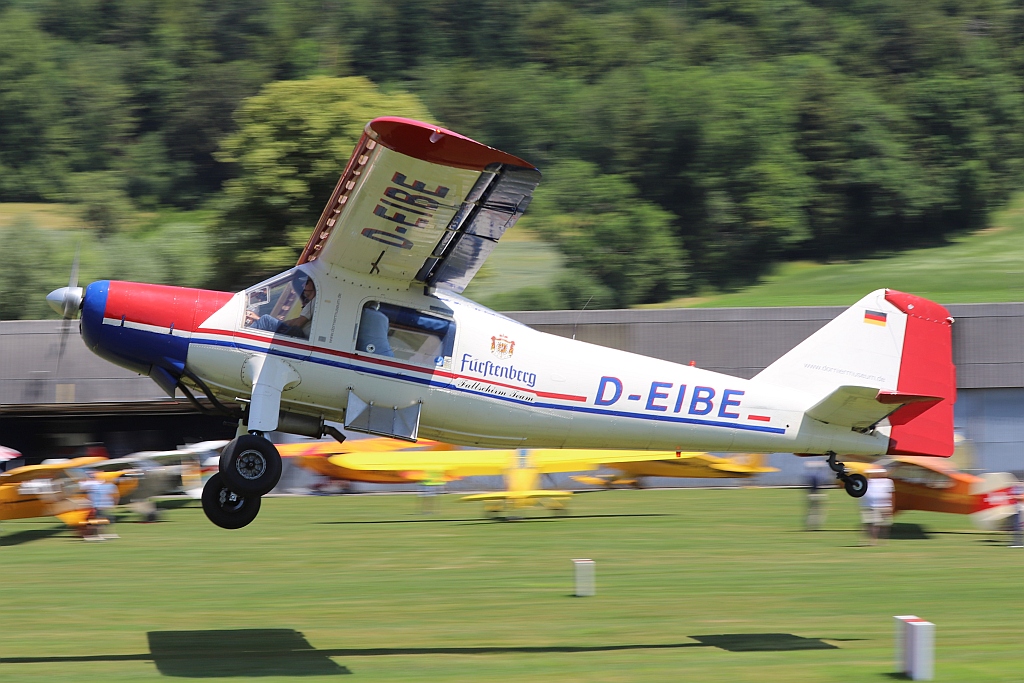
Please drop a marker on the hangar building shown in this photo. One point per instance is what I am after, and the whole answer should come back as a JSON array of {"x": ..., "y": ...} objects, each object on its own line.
[{"x": 45, "y": 410}]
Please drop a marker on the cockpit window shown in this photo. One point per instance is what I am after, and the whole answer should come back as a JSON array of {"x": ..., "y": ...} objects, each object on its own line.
[
  {"x": 283, "y": 305},
  {"x": 405, "y": 334}
]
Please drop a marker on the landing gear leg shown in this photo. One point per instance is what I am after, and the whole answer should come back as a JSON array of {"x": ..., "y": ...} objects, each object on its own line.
[{"x": 855, "y": 484}]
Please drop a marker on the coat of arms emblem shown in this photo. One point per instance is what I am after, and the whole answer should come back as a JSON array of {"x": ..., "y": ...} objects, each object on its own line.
[{"x": 502, "y": 346}]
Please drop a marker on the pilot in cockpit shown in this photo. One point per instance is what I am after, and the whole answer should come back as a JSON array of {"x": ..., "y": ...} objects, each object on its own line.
[{"x": 280, "y": 323}]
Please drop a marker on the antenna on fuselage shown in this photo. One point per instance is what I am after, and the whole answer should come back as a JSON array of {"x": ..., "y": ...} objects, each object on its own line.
[{"x": 579, "y": 315}]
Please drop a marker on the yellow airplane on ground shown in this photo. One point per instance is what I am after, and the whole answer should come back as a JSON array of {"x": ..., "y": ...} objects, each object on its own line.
[
  {"x": 52, "y": 490},
  {"x": 681, "y": 464},
  {"x": 315, "y": 456},
  {"x": 388, "y": 461}
]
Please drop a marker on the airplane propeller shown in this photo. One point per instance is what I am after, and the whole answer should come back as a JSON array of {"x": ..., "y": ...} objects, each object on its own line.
[{"x": 66, "y": 301}]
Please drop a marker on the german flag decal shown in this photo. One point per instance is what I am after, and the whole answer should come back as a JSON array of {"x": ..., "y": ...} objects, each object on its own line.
[{"x": 874, "y": 317}]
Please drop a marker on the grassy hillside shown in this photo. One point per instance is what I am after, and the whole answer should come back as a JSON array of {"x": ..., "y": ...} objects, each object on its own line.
[
  {"x": 48, "y": 216},
  {"x": 520, "y": 260},
  {"x": 986, "y": 266}
]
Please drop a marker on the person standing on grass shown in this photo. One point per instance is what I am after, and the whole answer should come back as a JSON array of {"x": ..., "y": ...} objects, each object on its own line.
[
  {"x": 815, "y": 495},
  {"x": 1018, "y": 518},
  {"x": 876, "y": 506},
  {"x": 103, "y": 495}
]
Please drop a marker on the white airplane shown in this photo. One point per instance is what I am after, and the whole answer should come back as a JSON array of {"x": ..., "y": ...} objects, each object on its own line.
[{"x": 369, "y": 330}]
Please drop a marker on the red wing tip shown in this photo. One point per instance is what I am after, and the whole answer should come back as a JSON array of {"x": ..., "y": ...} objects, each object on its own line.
[{"x": 434, "y": 144}]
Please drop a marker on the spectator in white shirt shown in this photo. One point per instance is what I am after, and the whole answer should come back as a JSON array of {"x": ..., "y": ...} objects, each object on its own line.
[{"x": 876, "y": 506}]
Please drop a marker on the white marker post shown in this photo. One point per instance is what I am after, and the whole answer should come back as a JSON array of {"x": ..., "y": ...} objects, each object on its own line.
[
  {"x": 586, "y": 585},
  {"x": 915, "y": 647}
]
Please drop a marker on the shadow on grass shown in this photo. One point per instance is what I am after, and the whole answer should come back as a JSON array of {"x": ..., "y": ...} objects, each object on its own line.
[
  {"x": 904, "y": 531},
  {"x": 29, "y": 535},
  {"x": 286, "y": 652},
  {"x": 177, "y": 503},
  {"x": 763, "y": 642},
  {"x": 477, "y": 520},
  {"x": 244, "y": 652}
]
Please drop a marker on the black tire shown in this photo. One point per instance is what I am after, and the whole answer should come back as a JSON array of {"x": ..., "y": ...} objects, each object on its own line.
[
  {"x": 250, "y": 465},
  {"x": 227, "y": 509},
  {"x": 856, "y": 485}
]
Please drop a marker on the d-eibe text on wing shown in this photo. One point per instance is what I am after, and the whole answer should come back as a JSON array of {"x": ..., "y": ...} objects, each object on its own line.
[{"x": 418, "y": 203}]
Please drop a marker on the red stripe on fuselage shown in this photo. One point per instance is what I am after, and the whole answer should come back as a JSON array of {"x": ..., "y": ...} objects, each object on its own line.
[
  {"x": 161, "y": 305},
  {"x": 277, "y": 341}
]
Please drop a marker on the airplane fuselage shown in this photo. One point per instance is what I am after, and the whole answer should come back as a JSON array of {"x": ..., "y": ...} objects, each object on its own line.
[{"x": 493, "y": 381}]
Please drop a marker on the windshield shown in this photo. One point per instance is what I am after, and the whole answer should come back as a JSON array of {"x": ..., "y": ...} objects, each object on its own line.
[{"x": 282, "y": 305}]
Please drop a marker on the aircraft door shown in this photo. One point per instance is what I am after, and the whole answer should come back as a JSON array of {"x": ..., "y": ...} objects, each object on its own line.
[
  {"x": 406, "y": 354},
  {"x": 415, "y": 342}
]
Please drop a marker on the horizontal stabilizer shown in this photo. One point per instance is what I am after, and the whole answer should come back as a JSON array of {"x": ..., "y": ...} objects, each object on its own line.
[{"x": 862, "y": 407}]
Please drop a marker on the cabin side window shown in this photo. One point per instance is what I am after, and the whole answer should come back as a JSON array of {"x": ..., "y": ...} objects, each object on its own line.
[{"x": 405, "y": 334}]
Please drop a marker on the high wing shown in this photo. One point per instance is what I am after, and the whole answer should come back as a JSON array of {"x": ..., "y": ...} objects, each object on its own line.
[
  {"x": 684, "y": 465},
  {"x": 178, "y": 456},
  {"x": 521, "y": 468},
  {"x": 467, "y": 463},
  {"x": 534, "y": 494},
  {"x": 46, "y": 471},
  {"x": 420, "y": 204}
]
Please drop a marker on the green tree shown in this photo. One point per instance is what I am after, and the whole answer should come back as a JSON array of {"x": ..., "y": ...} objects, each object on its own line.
[
  {"x": 31, "y": 126},
  {"x": 610, "y": 234},
  {"x": 25, "y": 281},
  {"x": 292, "y": 143}
]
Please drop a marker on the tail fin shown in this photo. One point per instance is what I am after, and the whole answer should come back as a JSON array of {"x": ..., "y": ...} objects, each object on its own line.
[{"x": 895, "y": 343}]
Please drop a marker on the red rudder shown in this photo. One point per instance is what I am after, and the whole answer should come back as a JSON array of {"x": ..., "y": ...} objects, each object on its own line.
[{"x": 926, "y": 369}]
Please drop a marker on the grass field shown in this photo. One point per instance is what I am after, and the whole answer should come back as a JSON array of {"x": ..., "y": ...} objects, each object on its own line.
[{"x": 693, "y": 585}]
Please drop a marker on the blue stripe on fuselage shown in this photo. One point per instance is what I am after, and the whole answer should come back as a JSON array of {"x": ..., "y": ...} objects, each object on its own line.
[{"x": 446, "y": 384}]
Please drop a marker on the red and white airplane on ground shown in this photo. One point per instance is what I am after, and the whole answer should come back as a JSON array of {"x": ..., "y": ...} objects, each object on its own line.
[{"x": 369, "y": 330}]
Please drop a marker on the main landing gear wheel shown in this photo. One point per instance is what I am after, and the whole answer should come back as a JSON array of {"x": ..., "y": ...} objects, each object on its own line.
[
  {"x": 856, "y": 485},
  {"x": 225, "y": 508},
  {"x": 250, "y": 465}
]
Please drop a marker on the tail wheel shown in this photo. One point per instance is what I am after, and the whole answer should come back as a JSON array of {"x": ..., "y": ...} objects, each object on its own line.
[
  {"x": 250, "y": 465},
  {"x": 856, "y": 485},
  {"x": 227, "y": 509}
]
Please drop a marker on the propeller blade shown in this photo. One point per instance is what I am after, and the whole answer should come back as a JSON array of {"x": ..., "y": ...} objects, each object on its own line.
[
  {"x": 73, "y": 295},
  {"x": 65, "y": 329},
  {"x": 66, "y": 301}
]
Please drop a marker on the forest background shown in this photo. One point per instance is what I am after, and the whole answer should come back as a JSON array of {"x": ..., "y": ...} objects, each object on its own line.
[{"x": 686, "y": 146}]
